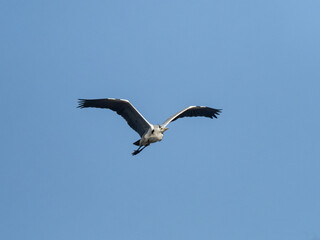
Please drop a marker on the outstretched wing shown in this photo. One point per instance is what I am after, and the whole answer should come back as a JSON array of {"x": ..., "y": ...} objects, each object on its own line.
[
  {"x": 124, "y": 108},
  {"x": 193, "y": 111}
]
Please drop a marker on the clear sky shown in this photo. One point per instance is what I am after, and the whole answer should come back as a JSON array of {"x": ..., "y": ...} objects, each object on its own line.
[{"x": 68, "y": 173}]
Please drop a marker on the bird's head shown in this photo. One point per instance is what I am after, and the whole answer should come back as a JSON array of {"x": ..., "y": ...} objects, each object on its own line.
[{"x": 162, "y": 130}]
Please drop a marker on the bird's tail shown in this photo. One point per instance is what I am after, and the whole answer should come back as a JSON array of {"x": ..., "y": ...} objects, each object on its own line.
[{"x": 137, "y": 143}]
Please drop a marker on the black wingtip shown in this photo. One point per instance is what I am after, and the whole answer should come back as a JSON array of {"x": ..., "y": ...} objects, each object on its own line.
[
  {"x": 217, "y": 113},
  {"x": 81, "y": 103}
]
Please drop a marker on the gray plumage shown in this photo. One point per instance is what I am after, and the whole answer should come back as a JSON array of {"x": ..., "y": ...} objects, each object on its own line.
[{"x": 149, "y": 133}]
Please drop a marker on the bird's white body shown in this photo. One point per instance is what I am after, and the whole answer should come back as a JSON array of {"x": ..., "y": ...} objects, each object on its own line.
[{"x": 154, "y": 134}]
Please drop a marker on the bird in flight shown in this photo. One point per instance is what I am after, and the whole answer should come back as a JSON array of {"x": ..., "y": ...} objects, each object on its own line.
[{"x": 149, "y": 133}]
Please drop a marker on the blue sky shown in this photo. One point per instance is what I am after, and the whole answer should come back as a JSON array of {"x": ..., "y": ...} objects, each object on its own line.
[{"x": 68, "y": 173}]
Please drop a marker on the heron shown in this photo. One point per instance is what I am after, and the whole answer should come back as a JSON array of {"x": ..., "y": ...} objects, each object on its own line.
[{"x": 149, "y": 133}]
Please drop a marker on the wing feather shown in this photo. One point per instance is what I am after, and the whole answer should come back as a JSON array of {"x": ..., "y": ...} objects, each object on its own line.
[
  {"x": 193, "y": 111},
  {"x": 122, "y": 107}
]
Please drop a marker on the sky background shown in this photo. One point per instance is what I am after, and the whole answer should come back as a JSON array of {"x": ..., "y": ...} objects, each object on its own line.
[{"x": 68, "y": 173}]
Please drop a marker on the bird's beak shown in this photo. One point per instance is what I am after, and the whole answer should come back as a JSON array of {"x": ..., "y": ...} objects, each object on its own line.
[{"x": 165, "y": 129}]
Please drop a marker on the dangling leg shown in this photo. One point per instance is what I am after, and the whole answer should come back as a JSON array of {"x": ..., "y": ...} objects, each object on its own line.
[
  {"x": 139, "y": 150},
  {"x": 135, "y": 152}
]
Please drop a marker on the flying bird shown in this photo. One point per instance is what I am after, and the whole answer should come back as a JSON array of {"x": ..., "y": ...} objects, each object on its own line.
[{"x": 149, "y": 133}]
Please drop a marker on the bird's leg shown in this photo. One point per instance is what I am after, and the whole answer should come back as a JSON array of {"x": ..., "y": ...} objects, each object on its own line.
[
  {"x": 135, "y": 152},
  {"x": 139, "y": 150}
]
